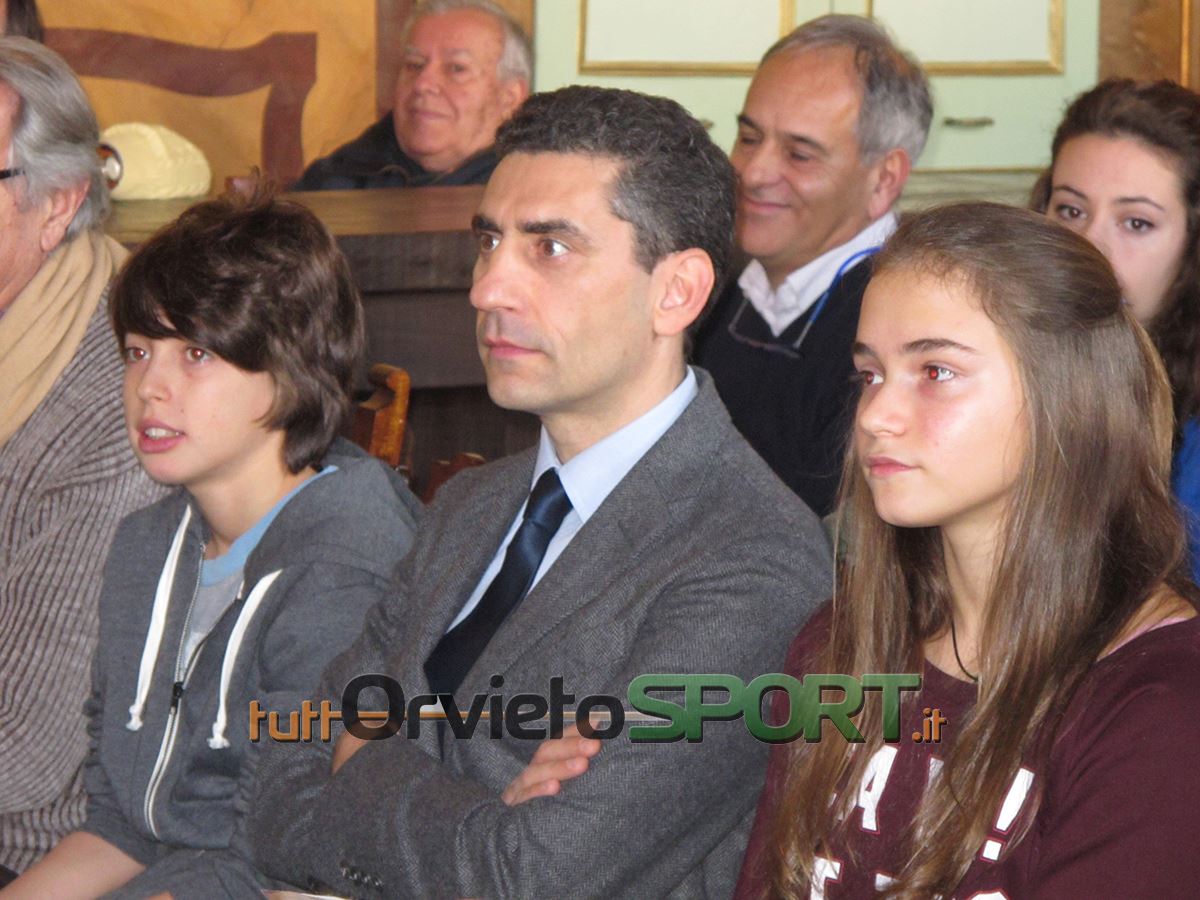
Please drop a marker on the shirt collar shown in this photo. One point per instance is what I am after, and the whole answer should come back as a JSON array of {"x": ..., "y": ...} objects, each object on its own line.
[
  {"x": 781, "y": 307},
  {"x": 590, "y": 476}
]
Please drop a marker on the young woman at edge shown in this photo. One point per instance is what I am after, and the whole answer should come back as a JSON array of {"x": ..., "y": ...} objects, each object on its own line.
[{"x": 1126, "y": 175}]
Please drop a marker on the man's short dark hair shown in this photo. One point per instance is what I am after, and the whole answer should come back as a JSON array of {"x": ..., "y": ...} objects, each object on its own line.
[
  {"x": 675, "y": 186},
  {"x": 261, "y": 283}
]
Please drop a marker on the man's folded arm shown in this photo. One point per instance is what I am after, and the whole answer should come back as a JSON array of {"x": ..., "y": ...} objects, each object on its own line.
[
  {"x": 642, "y": 818},
  {"x": 284, "y": 812}
]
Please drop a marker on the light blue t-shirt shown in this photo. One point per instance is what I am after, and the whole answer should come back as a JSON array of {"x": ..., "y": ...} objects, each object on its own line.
[{"x": 221, "y": 578}]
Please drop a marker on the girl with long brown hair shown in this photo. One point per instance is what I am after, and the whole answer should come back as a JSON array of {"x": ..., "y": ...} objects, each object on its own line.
[
  {"x": 1125, "y": 173},
  {"x": 1013, "y": 539}
]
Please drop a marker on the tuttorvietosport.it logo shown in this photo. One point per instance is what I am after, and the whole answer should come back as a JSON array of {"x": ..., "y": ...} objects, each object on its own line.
[{"x": 661, "y": 708}]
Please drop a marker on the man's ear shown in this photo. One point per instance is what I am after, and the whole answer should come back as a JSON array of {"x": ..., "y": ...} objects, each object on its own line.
[
  {"x": 512, "y": 94},
  {"x": 58, "y": 212},
  {"x": 888, "y": 178},
  {"x": 687, "y": 280}
]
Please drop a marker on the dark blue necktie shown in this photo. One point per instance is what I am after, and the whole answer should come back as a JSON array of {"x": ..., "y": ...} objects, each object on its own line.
[{"x": 458, "y": 649}]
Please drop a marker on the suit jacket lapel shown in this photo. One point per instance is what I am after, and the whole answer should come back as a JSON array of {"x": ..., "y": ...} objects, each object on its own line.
[{"x": 639, "y": 512}]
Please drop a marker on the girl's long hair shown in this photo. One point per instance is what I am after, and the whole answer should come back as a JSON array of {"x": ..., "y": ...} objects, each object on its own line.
[
  {"x": 1090, "y": 534},
  {"x": 1164, "y": 116}
]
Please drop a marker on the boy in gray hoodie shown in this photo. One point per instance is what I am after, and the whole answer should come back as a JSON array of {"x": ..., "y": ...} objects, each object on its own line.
[{"x": 241, "y": 330}]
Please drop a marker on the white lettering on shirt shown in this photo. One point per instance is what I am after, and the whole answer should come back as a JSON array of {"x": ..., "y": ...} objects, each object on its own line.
[
  {"x": 1013, "y": 802},
  {"x": 824, "y": 870},
  {"x": 874, "y": 783}
]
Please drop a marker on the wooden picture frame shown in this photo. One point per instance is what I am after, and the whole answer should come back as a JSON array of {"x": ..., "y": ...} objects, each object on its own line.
[
  {"x": 630, "y": 37},
  {"x": 909, "y": 21}
]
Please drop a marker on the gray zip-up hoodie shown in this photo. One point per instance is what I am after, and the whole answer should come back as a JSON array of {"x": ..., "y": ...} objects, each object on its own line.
[{"x": 170, "y": 770}]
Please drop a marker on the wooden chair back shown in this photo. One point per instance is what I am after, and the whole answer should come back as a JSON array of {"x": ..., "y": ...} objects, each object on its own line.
[
  {"x": 379, "y": 422},
  {"x": 442, "y": 470}
]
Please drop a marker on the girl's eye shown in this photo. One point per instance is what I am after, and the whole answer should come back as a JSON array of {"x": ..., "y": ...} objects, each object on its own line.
[
  {"x": 938, "y": 373},
  {"x": 866, "y": 377},
  {"x": 197, "y": 354},
  {"x": 1067, "y": 212},
  {"x": 133, "y": 354},
  {"x": 1139, "y": 225}
]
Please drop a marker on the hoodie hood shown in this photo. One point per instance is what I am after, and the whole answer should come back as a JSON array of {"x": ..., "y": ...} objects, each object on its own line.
[{"x": 337, "y": 518}]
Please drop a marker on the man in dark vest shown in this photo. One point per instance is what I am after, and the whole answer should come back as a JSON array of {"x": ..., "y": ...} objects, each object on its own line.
[{"x": 834, "y": 120}]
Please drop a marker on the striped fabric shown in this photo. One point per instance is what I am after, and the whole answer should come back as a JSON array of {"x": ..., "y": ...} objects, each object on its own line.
[{"x": 67, "y": 477}]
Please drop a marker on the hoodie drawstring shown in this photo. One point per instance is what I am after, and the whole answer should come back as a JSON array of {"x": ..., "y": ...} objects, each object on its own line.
[
  {"x": 218, "y": 741},
  {"x": 158, "y": 623}
]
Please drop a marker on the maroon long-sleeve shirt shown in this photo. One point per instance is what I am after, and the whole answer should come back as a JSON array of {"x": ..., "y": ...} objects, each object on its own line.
[{"x": 1121, "y": 811}]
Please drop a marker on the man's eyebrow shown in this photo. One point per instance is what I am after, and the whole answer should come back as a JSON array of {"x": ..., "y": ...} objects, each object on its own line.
[
  {"x": 480, "y": 222},
  {"x": 411, "y": 51},
  {"x": 808, "y": 142},
  {"x": 744, "y": 119},
  {"x": 565, "y": 227},
  {"x": 747, "y": 122}
]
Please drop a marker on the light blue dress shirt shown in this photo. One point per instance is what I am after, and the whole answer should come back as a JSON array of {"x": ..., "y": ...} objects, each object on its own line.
[{"x": 589, "y": 478}]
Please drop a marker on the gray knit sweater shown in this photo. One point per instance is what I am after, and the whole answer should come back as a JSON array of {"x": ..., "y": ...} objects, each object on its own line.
[{"x": 67, "y": 477}]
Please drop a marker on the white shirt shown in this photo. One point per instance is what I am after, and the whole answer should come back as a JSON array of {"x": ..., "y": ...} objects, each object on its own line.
[
  {"x": 589, "y": 478},
  {"x": 800, "y": 290}
]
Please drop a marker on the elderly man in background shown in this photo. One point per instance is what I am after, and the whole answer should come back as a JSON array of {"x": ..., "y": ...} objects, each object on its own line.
[
  {"x": 834, "y": 120},
  {"x": 466, "y": 68},
  {"x": 67, "y": 473}
]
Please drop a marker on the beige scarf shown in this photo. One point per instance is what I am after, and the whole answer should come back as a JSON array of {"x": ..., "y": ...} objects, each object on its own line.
[{"x": 41, "y": 329}]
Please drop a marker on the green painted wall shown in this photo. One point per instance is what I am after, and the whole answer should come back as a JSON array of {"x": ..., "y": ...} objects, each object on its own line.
[{"x": 1025, "y": 107}]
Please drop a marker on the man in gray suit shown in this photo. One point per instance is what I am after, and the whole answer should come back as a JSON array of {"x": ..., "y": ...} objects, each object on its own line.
[{"x": 654, "y": 538}]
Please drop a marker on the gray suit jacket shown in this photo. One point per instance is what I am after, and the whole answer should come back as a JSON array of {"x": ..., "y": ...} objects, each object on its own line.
[{"x": 699, "y": 561}]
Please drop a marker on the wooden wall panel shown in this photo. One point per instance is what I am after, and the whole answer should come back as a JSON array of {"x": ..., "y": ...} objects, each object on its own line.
[
  {"x": 1149, "y": 39},
  {"x": 389, "y": 20},
  {"x": 267, "y": 83},
  {"x": 284, "y": 63},
  {"x": 1193, "y": 46}
]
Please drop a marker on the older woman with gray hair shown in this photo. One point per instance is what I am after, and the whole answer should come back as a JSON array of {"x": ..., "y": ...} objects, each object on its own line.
[{"x": 67, "y": 474}]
